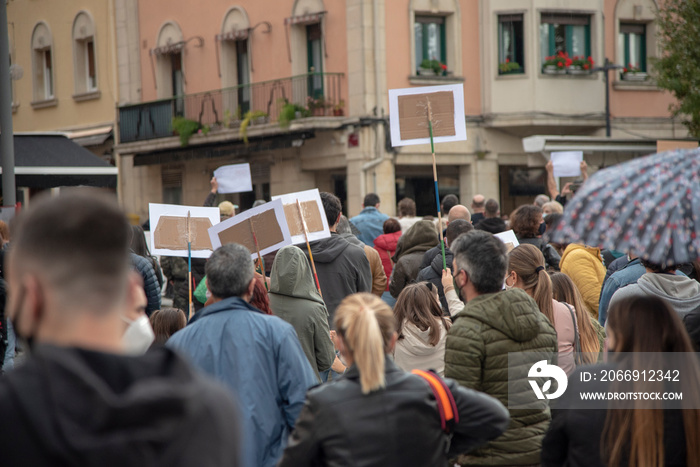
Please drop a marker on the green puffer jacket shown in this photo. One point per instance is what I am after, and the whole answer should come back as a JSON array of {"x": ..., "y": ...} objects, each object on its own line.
[{"x": 476, "y": 356}]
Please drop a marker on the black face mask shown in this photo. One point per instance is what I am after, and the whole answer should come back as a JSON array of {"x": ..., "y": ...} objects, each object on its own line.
[{"x": 543, "y": 228}]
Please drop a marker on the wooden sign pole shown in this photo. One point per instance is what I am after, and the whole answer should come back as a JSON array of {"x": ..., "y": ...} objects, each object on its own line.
[
  {"x": 308, "y": 247},
  {"x": 257, "y": 249},
  {"x": 437, "y": 195}
]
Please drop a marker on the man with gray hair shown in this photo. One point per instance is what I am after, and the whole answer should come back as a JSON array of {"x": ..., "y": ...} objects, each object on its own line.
[
  {"x": 257, "y": 356},
  {"x": 492, "y": 324},
  {"x": 540, "y": 200}
]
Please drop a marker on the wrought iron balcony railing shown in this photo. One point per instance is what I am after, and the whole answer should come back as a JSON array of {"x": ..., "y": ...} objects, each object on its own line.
[{"x": 315, "y": 94}]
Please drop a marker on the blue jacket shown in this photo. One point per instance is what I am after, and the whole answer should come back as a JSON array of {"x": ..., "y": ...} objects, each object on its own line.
[
  {"x": 260, "y": 359},
  {"x": 150, "y": 282},
  {"x": 370, "y": 223},
  {"x": 625, "y": 276}
]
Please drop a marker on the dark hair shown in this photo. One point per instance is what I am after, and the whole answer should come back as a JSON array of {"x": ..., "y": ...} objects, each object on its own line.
[
  {"x": 371, "y": 199},
  {"x": 229, "y": 271},
  {"x": 140, "y": 247},
  {"x": 457, "y": 228},
  {"x": 491, "y": 206},
  {"x": 407, "y": 207},
  {"x": 483, "y": 257},
  {"x": 417, "y": 305},
  {"x": 166, "y": 322},
  {"x": 448, "y": 202},
  {"x": 644, "y": 327},
  {"x": 78, "y": 241},
  {"x": 657, "y": 267},
  {"x": 525, "y": 221},
  {"x": 332, "y": 207},
  {"x": 260, "y": 299},
  {"x": 391, "y": 225},
  {"x": 552, "y": 220}
]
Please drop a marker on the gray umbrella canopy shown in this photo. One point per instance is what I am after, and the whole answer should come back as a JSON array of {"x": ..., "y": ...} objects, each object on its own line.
[{"x": 650, "y": 205}]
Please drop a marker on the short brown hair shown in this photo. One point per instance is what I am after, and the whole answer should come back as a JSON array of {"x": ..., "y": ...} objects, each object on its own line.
[
  {"x": 391, "y": 225},
  {"x": 525, "y": 221},
  {"x": 407, "y": 207}
]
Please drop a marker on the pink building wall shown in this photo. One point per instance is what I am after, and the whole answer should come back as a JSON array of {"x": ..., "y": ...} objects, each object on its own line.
[{"x": 269, "y": 52}]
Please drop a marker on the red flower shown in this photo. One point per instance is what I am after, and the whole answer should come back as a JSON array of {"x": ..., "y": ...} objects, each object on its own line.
[
  {"x": 568, "y": 62},
  {"x": 444, "y": 67},
  {"x": 507, "y": 60},
  {"x": 560, "y": 64},
  {"x": 624, "y": 70},
  {"x": 585, "y": 66}
]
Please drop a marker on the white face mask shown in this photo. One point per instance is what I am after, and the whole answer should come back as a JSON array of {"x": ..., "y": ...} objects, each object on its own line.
[{"x": 138, "y": 336}]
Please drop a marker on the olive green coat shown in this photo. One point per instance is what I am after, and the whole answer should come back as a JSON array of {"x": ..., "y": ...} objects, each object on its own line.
[{"x": 476, "y": 356}]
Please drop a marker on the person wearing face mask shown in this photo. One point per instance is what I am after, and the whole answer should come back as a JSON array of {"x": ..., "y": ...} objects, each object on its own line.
[
  {"x": 80, "y": 398},
  {"x": 493, "y": 323}
]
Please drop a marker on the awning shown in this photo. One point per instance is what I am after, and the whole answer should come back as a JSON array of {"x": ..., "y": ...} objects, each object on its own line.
[
  {"x": 91, "y": 137},
  {"x": 234, "y": 35},
  {"x": 47, "y": 160},
  {"x": 304, "y": 19},
  {"x": 548, "y": 143}
]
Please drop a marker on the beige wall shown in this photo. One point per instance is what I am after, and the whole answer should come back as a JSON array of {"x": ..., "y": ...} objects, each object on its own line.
[{"x": 68, "y": 113}]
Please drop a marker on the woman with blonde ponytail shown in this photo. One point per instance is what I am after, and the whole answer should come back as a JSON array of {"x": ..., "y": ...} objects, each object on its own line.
[
  {"x": 377, "y": 414},
  {"x": 526, "y": 270}
]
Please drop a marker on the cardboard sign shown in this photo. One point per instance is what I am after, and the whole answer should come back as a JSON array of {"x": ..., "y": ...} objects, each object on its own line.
[
  {"x": 313, "y": 212},
  {"x": 169, "y": 229},
  {"x": 566, "y": 163},
  {"x": 409, "y": 114},
  {"x": 234, "y": 178},
  {"x": 266, "y": 224}
]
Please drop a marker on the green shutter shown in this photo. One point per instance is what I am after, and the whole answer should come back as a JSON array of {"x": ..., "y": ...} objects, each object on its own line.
[{"x": 443, "y": 44}]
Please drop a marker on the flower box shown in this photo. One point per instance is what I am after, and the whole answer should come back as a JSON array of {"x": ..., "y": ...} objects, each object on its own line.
[
  {"x": 426, "y": 72},
  {"x": 553, "y": 70},
  {"x": 577, "y": 70}
]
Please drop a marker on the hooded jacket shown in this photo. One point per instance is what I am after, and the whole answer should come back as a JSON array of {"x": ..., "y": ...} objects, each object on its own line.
[
  {"x": 258, "y": 357},
  {"x": 69, "y": 407},
  {"x": 294, "y": 298},
  {"x": 396, "y": 426},
  {"x": 414, "y": 352},
  {"x": 681, "y": 292},
  {"x": 342, "y": 268},
  {"x": 379, "y": 277},
  {"x": 433, "y": 274},
  {"x": 491, "y": 224},
  {"x": 409, "y": 254},
  {"x": 386, "y": 245},
  {"x": 476, "y": 356},
  {"x": 584, "y": 266}
]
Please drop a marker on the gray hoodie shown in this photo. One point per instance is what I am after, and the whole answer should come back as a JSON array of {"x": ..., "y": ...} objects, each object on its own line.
[{"x": 681, "y": 292}]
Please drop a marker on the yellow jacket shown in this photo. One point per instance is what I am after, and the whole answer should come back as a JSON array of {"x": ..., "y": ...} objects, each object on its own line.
[{"x": 584, "y": 265}]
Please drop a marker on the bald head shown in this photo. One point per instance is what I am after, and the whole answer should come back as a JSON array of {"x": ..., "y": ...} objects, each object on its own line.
[
  {"x": 459, "y": 212},
  {"x": 478, "y": 202}
]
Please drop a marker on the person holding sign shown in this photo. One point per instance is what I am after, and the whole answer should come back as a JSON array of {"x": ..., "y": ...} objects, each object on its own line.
[{"x": 569, "y": 189}]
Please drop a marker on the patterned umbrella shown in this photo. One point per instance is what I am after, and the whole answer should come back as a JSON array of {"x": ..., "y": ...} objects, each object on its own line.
[{"x": 650, "y": 205}]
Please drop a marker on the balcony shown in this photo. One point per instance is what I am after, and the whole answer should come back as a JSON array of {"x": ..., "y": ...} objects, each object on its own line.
[{"x": 312, "y": 95}]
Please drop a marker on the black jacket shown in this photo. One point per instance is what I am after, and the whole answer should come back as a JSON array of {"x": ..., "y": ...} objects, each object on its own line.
[
  {"x": 551, "y": 257},
  {"x": 150, "y": 282},
  {"x": 74, "y": 407},
  {"x": 574, "y": 435},
  {"x": 343, "y": 269},
  {"x": 395, "y": 426},
  {"x": 492, "y": 224},
  {"x": 433, "y": 274}
]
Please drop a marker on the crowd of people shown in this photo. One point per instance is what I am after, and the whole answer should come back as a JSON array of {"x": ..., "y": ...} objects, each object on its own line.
[{"x": 397, "y": 354}]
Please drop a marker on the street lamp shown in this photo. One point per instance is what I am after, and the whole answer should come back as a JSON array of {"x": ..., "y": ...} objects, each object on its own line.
[{"x": 605, "y": 69}]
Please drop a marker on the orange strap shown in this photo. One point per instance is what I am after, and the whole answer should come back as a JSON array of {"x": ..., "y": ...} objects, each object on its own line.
[{"x": 446, "y": 404}]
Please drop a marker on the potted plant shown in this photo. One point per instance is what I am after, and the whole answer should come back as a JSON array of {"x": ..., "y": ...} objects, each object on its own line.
[
  {"x": 426, "y": 68},
  {"x": 557, "y": 64},
  {"x": 581, "y": 65},
  {"x": 633, "y": 73},
  {"x": 508, "y": 67},
  {"x": 252, "y": 116},
  {"x": 185, "y": 128},
  {"x": 290, "y": 112},
  {"x": 317, "y": 106},
  {"x": 339, "y": 109}
]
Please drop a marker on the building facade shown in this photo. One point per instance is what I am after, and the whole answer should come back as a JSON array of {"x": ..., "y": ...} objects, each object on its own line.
[{"x": 300, "y": 91}]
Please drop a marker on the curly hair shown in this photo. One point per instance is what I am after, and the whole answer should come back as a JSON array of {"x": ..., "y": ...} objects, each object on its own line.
[{"x": 525, "y": 221}]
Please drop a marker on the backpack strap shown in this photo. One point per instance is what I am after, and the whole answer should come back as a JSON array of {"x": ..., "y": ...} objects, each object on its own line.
[{"x": 447, "y": 407}]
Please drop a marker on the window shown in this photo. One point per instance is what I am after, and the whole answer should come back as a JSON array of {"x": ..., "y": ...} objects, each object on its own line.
[
  {"x": 633, "y": 46},
  {"x": 42, "y": 65},
  {"x": 565, "y": 33},
  {"x": 84, "y": 60},
  {"x": 315, "y": 59},
  {"x": 430, "y": 39},
  {"x": 171, "y": 181},
  {"x": 511, "y": 55},
  {"x": 235, "y": 62}
]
